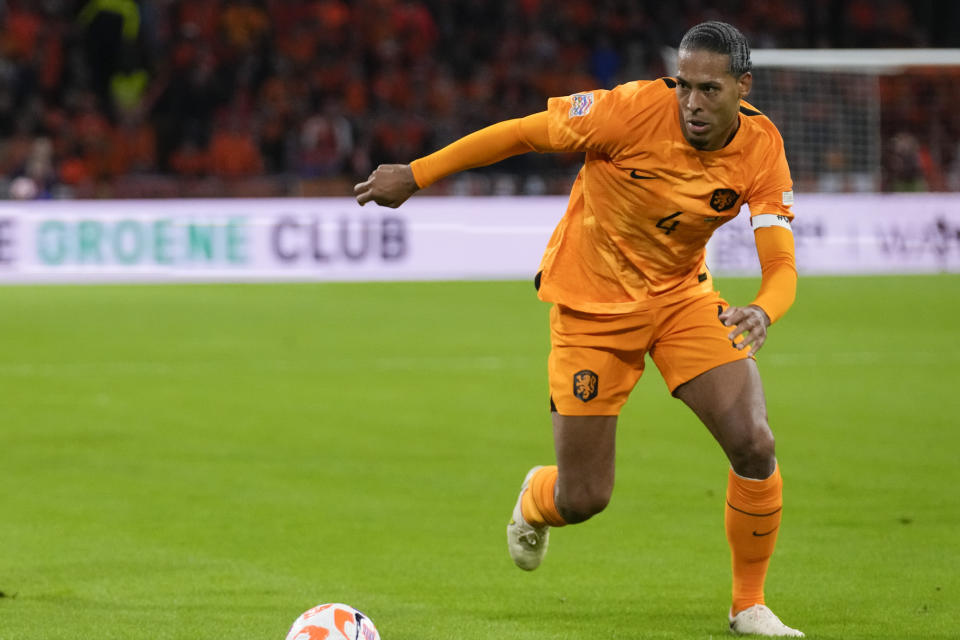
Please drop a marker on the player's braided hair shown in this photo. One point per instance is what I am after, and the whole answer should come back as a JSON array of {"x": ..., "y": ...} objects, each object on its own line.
[{"x": 720, "y": 37}]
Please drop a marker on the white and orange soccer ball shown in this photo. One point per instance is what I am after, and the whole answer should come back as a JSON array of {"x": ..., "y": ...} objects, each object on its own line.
[{"x": 333, "y": 621}]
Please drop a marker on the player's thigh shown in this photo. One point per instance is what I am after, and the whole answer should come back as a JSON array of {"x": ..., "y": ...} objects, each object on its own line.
[
  {"x": 692, "y": 340},
  {"x": 595, "y": 361},
  {"x": 729, "y": 400},
  {"x": 586, "y": 453}
]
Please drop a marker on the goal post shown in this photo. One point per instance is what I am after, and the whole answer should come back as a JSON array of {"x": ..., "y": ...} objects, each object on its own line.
[{"x": 862, "y": 120}]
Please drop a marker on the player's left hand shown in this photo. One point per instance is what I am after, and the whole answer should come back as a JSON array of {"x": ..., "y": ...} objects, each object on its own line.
[{"x": 751, "y": 322}]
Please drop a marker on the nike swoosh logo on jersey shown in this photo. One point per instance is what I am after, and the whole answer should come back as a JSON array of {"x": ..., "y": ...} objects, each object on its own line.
[
  {"x": 760, "y": 535},
  {"x": 634, "y": 174}
]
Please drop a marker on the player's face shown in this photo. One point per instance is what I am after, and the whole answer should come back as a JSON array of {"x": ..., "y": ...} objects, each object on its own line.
[{"x": 709, "y": 98}]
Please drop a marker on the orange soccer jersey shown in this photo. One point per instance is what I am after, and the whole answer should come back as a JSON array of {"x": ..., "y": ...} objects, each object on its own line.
[{"x": 646, "y": 202}]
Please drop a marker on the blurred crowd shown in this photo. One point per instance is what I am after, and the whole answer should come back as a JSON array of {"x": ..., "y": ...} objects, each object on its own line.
[{"x": 126, "y": 98}]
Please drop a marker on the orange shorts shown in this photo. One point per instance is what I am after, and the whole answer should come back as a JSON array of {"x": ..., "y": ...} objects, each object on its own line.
[{"x": 595, "y": 360}]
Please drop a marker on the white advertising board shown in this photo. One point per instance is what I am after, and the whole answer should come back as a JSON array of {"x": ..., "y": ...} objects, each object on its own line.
[
  {"x": 855, "y": 234},
  {"x": 426, "y": 239},
  {"x": 273, "y": 240}
]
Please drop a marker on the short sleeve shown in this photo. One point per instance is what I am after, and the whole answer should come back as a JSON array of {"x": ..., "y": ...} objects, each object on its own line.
[
  {"x": 773, "y": 190},
  {"x": 585, "y": 121}
]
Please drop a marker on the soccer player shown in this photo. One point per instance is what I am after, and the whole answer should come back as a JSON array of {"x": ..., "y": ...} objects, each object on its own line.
[{"x": 667, "y": 162}]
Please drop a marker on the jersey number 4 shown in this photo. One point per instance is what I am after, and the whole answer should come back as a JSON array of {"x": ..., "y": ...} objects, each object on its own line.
[{"x": 668, "y": 223}]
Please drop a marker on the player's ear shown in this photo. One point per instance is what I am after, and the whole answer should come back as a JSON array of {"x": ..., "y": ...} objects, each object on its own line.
[{"x": 745, "y": 83}]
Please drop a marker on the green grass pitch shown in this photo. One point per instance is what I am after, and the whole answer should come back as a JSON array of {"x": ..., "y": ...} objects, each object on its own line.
[{"x": 210, "y": 461}]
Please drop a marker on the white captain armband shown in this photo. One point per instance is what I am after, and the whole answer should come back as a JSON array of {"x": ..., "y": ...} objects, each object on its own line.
[{"x": 770, "y": 220}]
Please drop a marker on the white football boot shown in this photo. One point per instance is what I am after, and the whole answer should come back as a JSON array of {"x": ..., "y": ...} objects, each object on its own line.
[
  {"x": 759, "y": 620},
  {"x": 527, "y": 544}
]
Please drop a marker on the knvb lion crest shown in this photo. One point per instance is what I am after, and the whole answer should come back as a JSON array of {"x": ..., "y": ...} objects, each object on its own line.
[
  {"x": 585, "y": 385},
  {"x": 723, "y": 199}
]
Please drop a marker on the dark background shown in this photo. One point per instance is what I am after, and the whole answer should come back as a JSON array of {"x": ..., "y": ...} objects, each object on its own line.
[{"x": 265, "y": 97}]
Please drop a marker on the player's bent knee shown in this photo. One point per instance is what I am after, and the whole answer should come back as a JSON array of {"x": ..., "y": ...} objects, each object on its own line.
[
  {"x": 583, "y": 505},
  {"x": 579, "y": 513},
  {"x": 755, "y": 455}
]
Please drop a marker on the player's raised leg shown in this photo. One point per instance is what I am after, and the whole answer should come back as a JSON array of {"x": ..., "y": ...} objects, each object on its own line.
[
  {"x": 578, "y": 487},
  {"x": 586, "y": 453},
  {"x": 729, "y": 400}
]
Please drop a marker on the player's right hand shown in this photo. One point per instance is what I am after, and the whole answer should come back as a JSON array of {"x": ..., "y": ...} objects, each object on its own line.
[{"x": 389, "y": 186}]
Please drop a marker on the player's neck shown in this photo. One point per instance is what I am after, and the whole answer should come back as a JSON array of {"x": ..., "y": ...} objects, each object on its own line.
[
  {"x": 730, "y": 136},
  {"x": 733, "y": 132}
]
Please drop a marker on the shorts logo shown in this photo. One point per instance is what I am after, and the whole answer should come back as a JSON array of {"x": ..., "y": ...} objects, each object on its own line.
[
  {"x": 723, "y": 199},
  {"x": 585, "y": 385},
  {"x": 580, "y": 104}
]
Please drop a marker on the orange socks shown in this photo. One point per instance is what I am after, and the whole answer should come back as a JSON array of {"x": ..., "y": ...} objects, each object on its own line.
[
  {"x": 538, "y": 505},
  {"x": 752, "y": 521}
]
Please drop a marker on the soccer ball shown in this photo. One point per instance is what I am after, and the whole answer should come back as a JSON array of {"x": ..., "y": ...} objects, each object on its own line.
[{"x": 333, "y": 621}]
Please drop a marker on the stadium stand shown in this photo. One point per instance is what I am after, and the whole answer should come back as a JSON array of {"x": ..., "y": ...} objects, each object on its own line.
[{"x": 170, "y": 98}]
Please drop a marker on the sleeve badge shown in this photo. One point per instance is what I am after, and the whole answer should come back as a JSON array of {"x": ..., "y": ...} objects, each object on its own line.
[{"x": 580, "y": 104}]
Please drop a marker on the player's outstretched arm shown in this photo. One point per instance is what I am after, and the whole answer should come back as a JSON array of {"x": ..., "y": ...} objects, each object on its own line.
[{"x": 389, "y": 186}]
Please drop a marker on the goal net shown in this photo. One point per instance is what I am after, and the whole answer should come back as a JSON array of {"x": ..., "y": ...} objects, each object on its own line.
[{"x": 862, "y": 120}]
